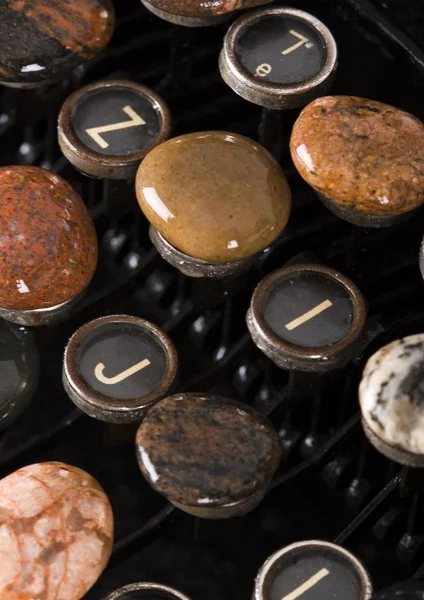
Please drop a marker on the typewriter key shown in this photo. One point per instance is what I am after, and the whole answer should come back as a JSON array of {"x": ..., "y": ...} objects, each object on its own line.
[
  {"x": 409, "y": 590},
  {"x": 48, "y": 244},
  {"x": 312, "y": 570},
  {"x": 19, "y": 370},
  {"x": 307, "y": 317},
  {"x": 146, "y": 591},
  {"x": 116, "y": 367},
  {"x": 278, "y": 58},
  {"x": 390, "y": 395},
  {"x": 212, "y": 457},
  {"x": 43, "y": 40},
  {"x": 197, "y": 13},
  {"x": 362, "y": 157},
  {"x": 106, "y": 128},
  {"x": 214, "y": 200},
  {"x": 56, "y": 532}
]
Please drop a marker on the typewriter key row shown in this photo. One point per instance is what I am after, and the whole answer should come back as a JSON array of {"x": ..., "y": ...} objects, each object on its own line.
[
  {"x": 57, "y": 534},
  {"x": 216, "y": 202}
]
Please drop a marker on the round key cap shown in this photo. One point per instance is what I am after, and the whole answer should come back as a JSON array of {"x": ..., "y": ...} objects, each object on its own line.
[
  {"x": 312, "y": 570},
  {"x": 48, "y": 245},
  {"x": 307, "y": 317},
  {"x": 210, "y": 456},
  {"x": 214, "y": 200},
  {"x": 146, "y": 591},
  {"x": 409, "y": 590},
  {"x": 196, "y": 13},
  {"x": 42, "y": 40},
  {"x": 56, "y": 532},
  {"x": 107, "y": 128},
  {"x": 19, "y": 370},
  {"x": 116, "y": 367},
  {"x": 364, "y": 158},
  {"x": 391, "y": 396},
  {"x": 278, "y": 57}
]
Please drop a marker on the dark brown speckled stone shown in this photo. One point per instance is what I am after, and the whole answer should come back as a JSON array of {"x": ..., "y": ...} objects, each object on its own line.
[
  {"x": 43, "y": 39},
  {"x": 362, "y": 155},
  {"x": 48, "y": 245},
  {"x": 206, "y": 451},
  {"x": 203, "y": 8}
]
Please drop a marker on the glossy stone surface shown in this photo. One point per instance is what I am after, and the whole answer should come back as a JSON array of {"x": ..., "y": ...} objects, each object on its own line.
[
  {"x": 206, "y": 451},
  {"x": 19, "y": 370},
  {"x": 214, "y": 195},
  {"x": 48, "y": 245},
  {"x": 56, "y": 533},
  {"x": 43, "y": 39},
  {"x": 391, "y": 393},
  {"x": 200, "y": 8},
  {"x": 361, "y": 155}
]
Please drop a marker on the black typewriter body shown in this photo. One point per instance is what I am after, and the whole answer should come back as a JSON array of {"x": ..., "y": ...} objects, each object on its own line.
[{"x": 331, "y": 484}]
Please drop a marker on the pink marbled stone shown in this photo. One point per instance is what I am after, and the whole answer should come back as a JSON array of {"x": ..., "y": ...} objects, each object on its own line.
[{"x": 56, "y": 533}]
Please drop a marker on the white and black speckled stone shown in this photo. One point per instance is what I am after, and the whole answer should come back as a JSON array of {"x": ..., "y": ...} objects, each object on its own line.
[{"x": 391, "y": 394}]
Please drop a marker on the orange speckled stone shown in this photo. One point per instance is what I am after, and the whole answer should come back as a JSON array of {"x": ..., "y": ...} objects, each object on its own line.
[
  {"x": 215, "y": 196},
  {"x": 43, "y": 39},
  {"x": 362, "y": 155},
  {"x": 48, "y": 245},
  {"x": 203, "y": 8},
  {"x": 56, "y": 533}
]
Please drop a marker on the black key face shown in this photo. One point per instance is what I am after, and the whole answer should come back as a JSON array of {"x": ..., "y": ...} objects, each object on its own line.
[
  {"x": 409, "y": 590},
  {"x": 122, "y": 361},
  {"x": 116, "y": 121},
  {"x": 315, "y": 574},
  {"x": 281, "y": 49},
  {"x": 309, "y": 310},
  {"x": 18, "y": 371}
]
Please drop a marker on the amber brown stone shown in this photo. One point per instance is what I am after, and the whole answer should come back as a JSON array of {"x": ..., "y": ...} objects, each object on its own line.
[
  {"x": 215, "y": 196},
  {"x": 42, "y": 39},
  {"x": 48, "y": 245},
  {"x": 199, "y": 8},
  {"x": 206, "y": 451},
  {"x": 361, "y": 155},
  {"x": 56, "y": 533}
]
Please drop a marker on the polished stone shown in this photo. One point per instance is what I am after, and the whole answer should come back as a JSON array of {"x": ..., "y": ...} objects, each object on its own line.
[
  {"x": 391, "y": 394},
  {"x": 43, "y": 39},
  {"x": 207, "y": 451},
  {"x": 48, "y": 245},
  {"x": 201, "y": 8},
  {"x": 363, "y": 156},
  {"x": 215, "y": 196},
  {"x": 56, "y": 533}
]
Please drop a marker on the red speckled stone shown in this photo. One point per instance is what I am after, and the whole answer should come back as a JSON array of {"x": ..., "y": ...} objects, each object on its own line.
[
  {"x": 56, "y": 533},
  {"x": 48, "y": 244},
  {"x": 44, "y": 39}
]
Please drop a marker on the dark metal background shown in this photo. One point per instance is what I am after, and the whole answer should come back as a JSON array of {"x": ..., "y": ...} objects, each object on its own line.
[{"x": 331, "y": 485}]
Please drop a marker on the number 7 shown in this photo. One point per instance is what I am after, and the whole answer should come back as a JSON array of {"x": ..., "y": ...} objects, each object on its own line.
[{"x": 303, "y": 40}]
